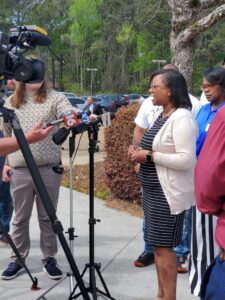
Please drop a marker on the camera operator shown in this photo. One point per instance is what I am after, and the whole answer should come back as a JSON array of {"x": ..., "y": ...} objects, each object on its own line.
[
  {"x": 33, "y": 101},
  {"x": 6, "y": 202}
]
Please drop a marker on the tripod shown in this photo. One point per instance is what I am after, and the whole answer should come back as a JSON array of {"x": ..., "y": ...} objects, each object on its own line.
[
  {"x": 92, "y": 266},
  {"x": 10, "y": 116}
]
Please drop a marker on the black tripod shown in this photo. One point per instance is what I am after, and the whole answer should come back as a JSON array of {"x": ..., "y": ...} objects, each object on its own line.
[
  {"x": 10, "y": 116},
  {"x": 92, "y": 266}
]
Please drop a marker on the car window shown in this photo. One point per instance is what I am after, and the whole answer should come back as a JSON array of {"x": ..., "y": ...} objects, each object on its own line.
[
  {"x": 76, "y": 100},
  {"x": 97, "y": 99}
]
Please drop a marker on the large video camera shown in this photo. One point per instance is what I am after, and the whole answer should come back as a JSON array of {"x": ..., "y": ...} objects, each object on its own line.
[{"x": 12, "y": 46}]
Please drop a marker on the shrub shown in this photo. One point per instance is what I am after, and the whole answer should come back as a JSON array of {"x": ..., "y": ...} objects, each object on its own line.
[{"x": 122, "y": 179}]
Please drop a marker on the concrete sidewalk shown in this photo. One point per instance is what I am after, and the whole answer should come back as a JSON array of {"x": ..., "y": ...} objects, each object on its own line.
[{"x": 118, "y": 239}]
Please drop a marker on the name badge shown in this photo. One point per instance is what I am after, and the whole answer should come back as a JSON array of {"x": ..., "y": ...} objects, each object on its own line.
[{"x": 207, "y": 127}]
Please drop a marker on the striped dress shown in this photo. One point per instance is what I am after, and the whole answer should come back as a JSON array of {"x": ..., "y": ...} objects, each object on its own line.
[
  {"x": 203, "y": 248},
  {"x": 162, "y": 228}
]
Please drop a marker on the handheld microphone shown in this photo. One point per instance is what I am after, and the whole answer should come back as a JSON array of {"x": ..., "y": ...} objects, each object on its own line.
[{"x": 70, "y": 119}]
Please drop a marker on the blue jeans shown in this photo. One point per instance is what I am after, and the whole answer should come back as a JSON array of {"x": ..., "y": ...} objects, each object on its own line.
[
  {"x": 6, "y": 205},
  {"x": 183, "y": 249},
  {"x": 147, "y": 246}
]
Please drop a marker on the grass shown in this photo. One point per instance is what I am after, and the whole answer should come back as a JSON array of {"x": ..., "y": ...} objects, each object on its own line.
[{"x": 101, "y": 190}]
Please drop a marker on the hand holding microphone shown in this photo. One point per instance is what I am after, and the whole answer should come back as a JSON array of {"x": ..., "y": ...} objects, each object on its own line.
[
  {"x": 78, "y": 121},
  {"x": 71, "y": 118}
]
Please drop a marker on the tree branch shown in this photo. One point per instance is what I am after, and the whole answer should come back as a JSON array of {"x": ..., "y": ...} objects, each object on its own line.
[
  {"x": 191, "y": 32},
  {"x": 191, "y": 6},
  {"x": 205, "y": 4}
]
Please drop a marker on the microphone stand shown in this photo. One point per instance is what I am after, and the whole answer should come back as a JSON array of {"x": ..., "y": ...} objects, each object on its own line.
[
  {"x": 10, "y": 116},
  {"x": 92, "y": 266}
]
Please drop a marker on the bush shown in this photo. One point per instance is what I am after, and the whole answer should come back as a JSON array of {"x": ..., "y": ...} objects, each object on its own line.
[{"x": 122, "y": 179}]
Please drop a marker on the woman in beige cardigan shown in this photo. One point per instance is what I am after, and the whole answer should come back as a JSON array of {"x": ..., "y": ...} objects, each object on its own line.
[{"x": 167, "y": 157}]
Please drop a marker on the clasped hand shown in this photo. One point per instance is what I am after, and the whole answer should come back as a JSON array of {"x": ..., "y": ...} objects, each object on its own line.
[{"x": 137, "y": 154}]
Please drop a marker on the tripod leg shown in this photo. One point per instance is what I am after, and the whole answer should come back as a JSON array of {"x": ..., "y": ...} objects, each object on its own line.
[
  {"x": 12, "y": 245},
  {"x": 107, "y": 293},
  {"x": 75, "y": 296},
  {"x": 103, "y": 282},
  {"x": 93, "y": 288}
]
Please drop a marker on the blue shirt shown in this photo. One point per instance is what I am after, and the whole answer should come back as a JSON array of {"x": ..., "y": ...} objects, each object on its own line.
[{"x": 204, "y": 119}]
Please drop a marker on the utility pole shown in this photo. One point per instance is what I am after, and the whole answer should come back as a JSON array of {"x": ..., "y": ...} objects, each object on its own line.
[{"x": 92, "y": 70}]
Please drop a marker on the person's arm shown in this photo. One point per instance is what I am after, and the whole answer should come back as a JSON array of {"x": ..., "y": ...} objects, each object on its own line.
[
  {"x": 62, "y": 105},
  {"x": 36, "y": 134},
  {"x": 99, "y": 110},
  {"x": 138, "y": 134},
  {"x": 210, "y": 168}
]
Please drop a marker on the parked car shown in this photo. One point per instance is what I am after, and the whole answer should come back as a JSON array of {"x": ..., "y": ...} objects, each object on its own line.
[
  {"x": 134, "y": 97},
  {"x": 75, "y": 100},
  {"x": 122, "y": 100},
  {"x": 110, "y": 102},
  {"x": 145, "y": 96},
  {"x": 68, "y": 94}
]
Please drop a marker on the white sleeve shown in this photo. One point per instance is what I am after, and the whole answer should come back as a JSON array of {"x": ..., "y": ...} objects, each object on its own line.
[
  {"x": 203, "y": 99},
  {"x": 141, "y": 119},
  {"x": 196, "y": 105}
]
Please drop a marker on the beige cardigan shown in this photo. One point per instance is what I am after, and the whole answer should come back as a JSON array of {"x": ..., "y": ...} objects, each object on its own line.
[{"x": 175, "y": 158}]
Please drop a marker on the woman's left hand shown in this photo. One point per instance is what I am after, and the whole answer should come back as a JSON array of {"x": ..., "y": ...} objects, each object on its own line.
[{"x": 139, "y": 156}]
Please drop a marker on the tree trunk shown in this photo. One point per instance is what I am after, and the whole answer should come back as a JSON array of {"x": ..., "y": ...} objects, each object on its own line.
[
  {"x": 61, "y": 73},
  {"x": 53, "y": 72},
  {"x": 189, "y": 19},
  {"x": 183, "y": 58}
]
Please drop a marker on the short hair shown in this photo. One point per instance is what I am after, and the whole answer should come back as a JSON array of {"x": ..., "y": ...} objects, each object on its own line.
[
  {"x": 176, "y": 83},
  {"x": 90, "y": 98},
  {"x": 171, "y": 67},
  {"x": 215, "y": 75}
]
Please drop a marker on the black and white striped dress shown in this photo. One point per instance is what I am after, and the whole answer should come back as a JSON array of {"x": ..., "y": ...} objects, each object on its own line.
[
  {"x": 162, "y": 228},
  {"x": 203, "y": 247}
]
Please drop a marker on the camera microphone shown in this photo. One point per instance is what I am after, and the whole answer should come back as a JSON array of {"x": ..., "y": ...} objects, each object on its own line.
[
  {"x": 29, "y": 35},
  {"x": 36, "y": 38}
]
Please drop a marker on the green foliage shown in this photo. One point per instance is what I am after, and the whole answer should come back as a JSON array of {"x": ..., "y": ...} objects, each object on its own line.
[
  {"x": 102, "y": 194},
  {"x": 122, "y": 179},
  {"x": 119, "y": 38},
  {"x": 126, "y": 34}
]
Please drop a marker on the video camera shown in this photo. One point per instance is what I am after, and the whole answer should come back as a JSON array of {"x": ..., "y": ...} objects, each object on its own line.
[{"x": 12, "y": 46}]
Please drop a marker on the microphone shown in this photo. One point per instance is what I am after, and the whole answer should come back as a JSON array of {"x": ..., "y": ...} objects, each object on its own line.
[
  {"x": 60, "y": 136},
  {"x": 70, "y": 119}
]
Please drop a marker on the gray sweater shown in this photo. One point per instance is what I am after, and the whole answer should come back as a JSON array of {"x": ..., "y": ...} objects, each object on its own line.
[{"x": 44, "y": 152}]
